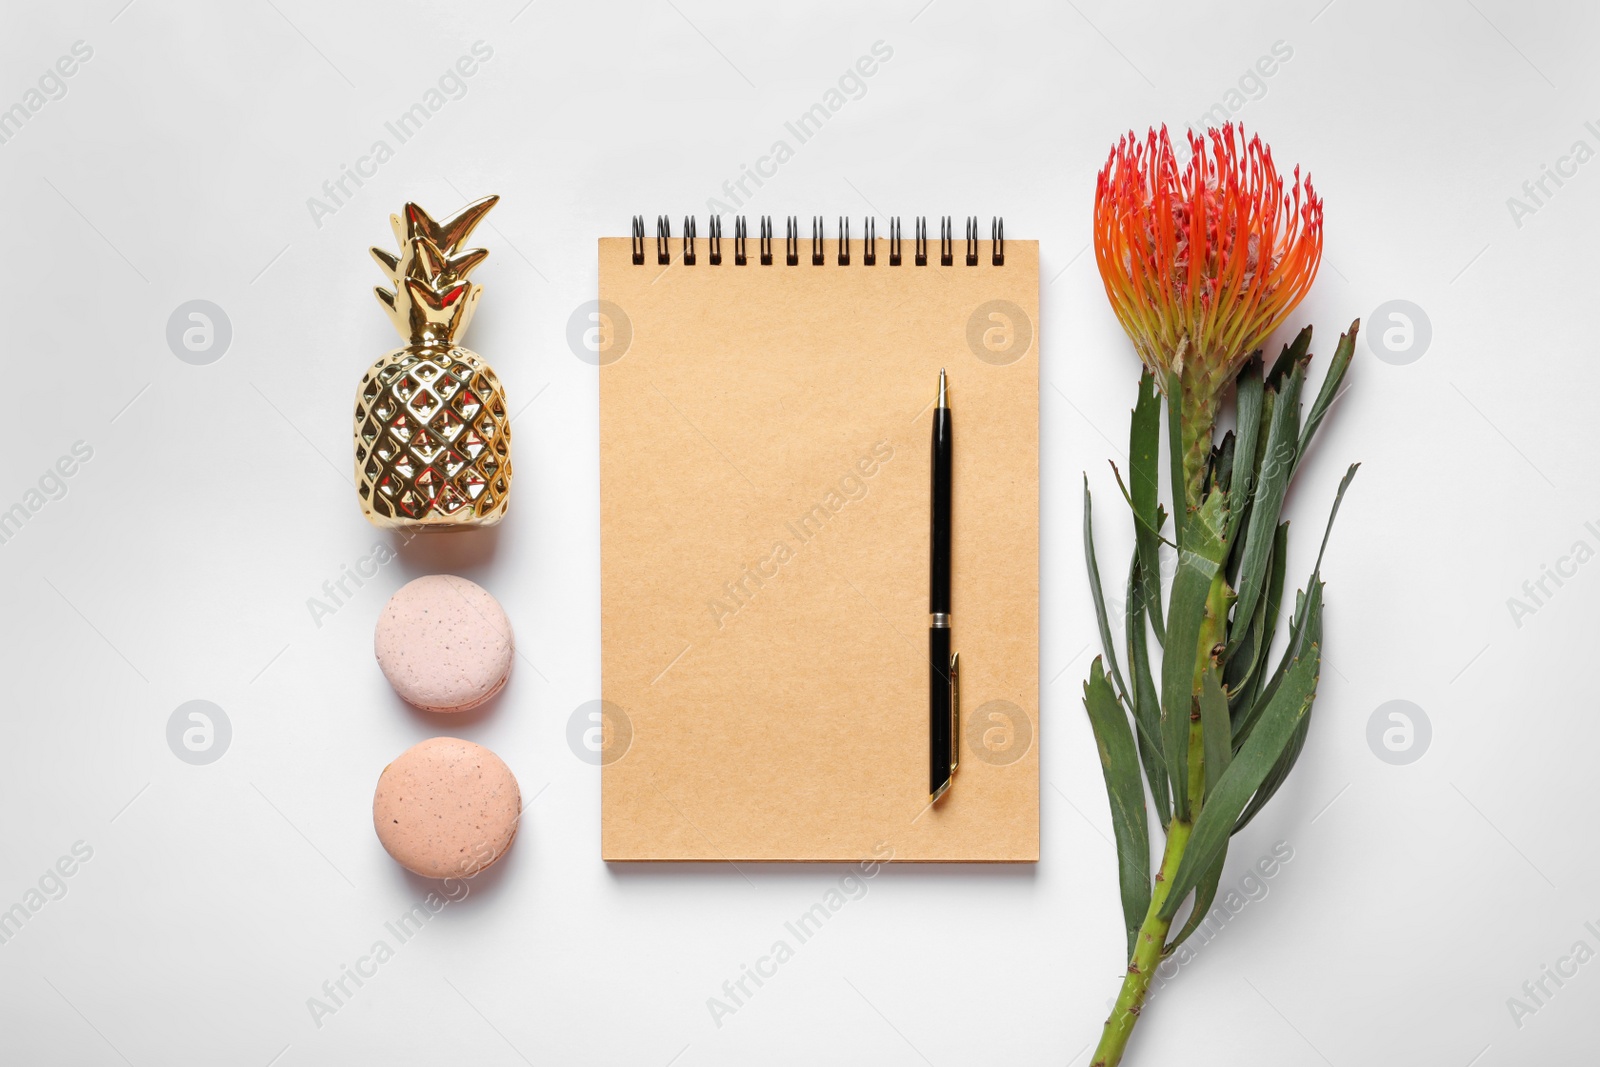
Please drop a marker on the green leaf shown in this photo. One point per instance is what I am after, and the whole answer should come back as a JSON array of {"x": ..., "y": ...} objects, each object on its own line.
[
  {"x": 1247, "y": 666},
  {"x": 1273, "y": 606},
  {"x": 1247, "y": 447},
  {"x": 1220, "y": 473},
  {"x": 1180, "y": 507},
  {"x": 1270, "y": 488},
  {"x": 1198, "y": 563},
  {"x": 1338, "y": 498},
  {"x": 1291, "y": 753},
  {"x": 1330, "y": 388},
  {"x": 1243, "y": 777},
  {"x": 1146, "y": 703},
  {"x": 1280, "y": 564},
  {"x": 1215, "y": 732},
  {"x": 1311, "y": 635},
  {"x": 1305, "y": 607},
  {"x": 1144, "y": 441},
  {"x": 1292, "y": 353},
  {"x": 1308, "y": 615},
  {"x": 1245, "y": 505},
  {"x": 1204, "y": 894},
  {"x": 1096, "y": 593},
  {"x": 1140, "y": 524},
  {"x": 1114, "y": 740},
  {"x": 1280, "y": 771},
  {"x": 1244, "y": 654}
]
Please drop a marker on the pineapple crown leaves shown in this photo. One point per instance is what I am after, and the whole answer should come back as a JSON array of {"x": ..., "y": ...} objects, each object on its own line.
[{"x": 431, "y": 300}]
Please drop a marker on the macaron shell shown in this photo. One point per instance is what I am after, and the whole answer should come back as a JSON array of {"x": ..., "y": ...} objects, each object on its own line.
[
  {"x": 444, "y": 643},
  {"x": 446, "y": 808}
]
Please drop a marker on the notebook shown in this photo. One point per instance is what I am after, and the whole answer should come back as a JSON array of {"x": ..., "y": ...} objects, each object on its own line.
[{"x": 764, "y": 484}]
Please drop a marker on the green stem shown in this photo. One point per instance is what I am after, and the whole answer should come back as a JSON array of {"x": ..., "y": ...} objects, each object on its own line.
[
  {"x": 1198, "y": 420},
  {"x": 1213, "y": 635},
  {"x": 1147, "y": 953},
  {"x": 1151, "y": 946}
]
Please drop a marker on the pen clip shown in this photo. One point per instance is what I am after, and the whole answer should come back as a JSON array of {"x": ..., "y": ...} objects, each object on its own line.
[{"x": 955, "y": 712}]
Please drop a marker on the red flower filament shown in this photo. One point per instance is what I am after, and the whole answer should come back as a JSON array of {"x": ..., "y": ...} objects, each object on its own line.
[{"x": 1203, "y": 262}]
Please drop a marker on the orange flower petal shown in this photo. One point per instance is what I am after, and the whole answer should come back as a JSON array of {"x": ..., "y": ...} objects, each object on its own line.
[{"x": 1215, "y": 253}]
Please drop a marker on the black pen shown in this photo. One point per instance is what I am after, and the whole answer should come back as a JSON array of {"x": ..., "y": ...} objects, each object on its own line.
[{"x": 944, "y": 690}]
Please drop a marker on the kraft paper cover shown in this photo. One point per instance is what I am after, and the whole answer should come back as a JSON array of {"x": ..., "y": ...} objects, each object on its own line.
[{"x": 764, "y": 473}]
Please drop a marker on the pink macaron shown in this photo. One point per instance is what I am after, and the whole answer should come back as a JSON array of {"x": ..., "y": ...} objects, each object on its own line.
[
  {"x": 446, "y": 808},
  {"x": 444, "y": 643}
]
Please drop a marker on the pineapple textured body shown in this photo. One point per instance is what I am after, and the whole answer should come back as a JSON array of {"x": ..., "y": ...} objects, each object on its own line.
[
  {"x": 433, "y": 439},
  {"x": 432, "y": 430}
]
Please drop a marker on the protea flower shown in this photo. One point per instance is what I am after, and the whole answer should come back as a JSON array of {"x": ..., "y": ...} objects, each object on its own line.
[{"x": 1202, "y": 261}]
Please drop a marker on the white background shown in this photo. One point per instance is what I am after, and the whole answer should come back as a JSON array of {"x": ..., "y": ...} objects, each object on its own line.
[{"x": 179, "y": 562}]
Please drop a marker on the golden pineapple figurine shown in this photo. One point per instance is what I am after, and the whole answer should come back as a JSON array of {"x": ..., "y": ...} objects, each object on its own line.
[{"x": 432, "y": 434}]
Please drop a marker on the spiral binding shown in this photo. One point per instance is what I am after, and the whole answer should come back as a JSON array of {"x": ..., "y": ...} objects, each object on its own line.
[{"x": 791, "y": 244}]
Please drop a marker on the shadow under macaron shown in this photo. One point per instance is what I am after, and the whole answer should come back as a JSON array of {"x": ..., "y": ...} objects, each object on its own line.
[
  {"x": 458, "y": 890},
  {"x": 448, "y": 722}
]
